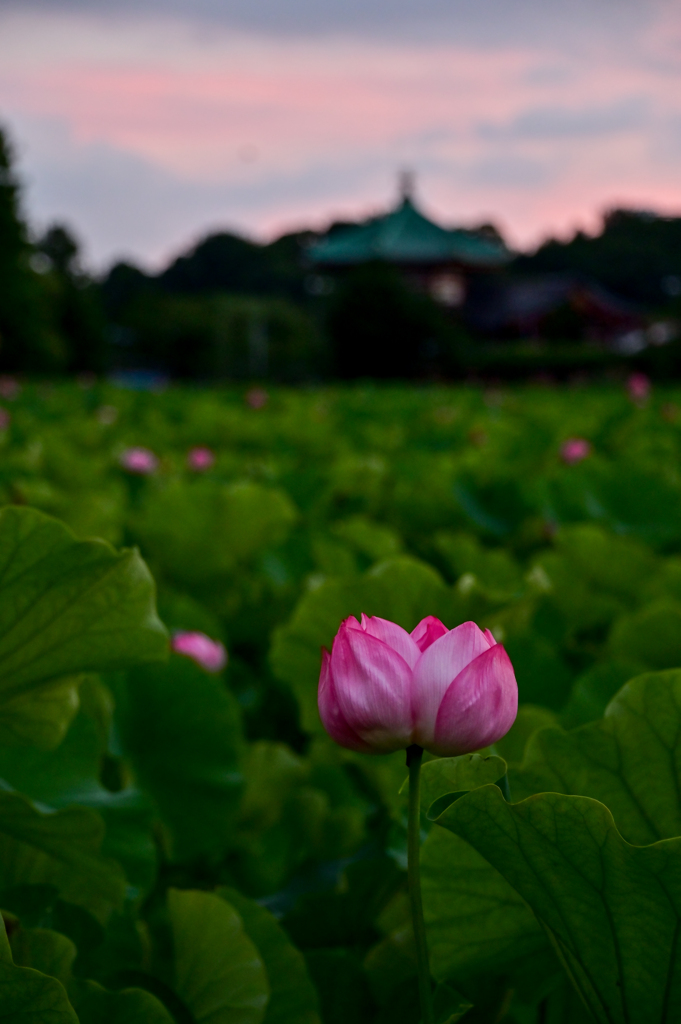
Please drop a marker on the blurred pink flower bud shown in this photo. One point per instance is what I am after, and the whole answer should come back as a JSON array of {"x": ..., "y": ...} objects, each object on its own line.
[
  {"x": 638, "y": 386},
  {"x": 382, "y": 689},
  {"x": 139, "y": 460},
  {"x": 200, "y": 459},
  {"x": 257, "y": 398},
  {"x": 209, "y": 654},
  {"x": 574, "y": 450}
]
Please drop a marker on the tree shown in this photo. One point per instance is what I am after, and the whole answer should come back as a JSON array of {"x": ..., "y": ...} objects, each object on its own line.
[
  {"x": 75, "y": 304},
  {"x": 379, "y": 327},
  {"x": 220, "y": 262},
  {"x": 27, "y": 341},
  {"x": 637, "y": 254}
]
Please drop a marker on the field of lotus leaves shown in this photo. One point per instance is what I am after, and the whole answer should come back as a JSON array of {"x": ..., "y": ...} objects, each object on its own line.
[{"x": 180, "y": 841}]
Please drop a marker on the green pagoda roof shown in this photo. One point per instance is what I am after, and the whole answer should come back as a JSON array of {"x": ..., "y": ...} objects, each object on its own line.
[{"x": 405, "y": 236}]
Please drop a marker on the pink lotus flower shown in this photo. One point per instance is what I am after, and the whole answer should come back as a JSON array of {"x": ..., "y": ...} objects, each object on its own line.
[
  {"x": 574, "y": 450},
  {"x": 638, "y": 386},
  {"x": 139, "y": 460},
  {"x": 257, "y": 398},
  {"x": 200, "y": 459},
  {"x": 383, "y": 689},
  {"x": 209, "y": 654}
]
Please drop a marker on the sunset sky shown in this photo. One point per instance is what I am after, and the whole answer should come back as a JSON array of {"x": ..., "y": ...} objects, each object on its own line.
[{"x": 144, "y": 124}]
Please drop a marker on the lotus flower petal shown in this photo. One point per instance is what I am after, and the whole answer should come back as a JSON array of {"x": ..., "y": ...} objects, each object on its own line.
[
  {"x": 428, "y": 631},
  {"x": 394, "y": 636},
  {"x": 331, "y": 714},
  {"x": 373, "y": 687},
  {"x": 435, "y": 670},
  {"x": 479, "y": 706}
]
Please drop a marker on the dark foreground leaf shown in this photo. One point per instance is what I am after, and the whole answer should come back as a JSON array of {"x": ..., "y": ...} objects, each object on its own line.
[
  {"x": 66, "y": 607},
  {"x": 219, "y": 973},
  {"x": 293, "y": 998},
  {"x": 60, "y": 849},
  {"x": 612, "y": 910},
  {"x": 29, "y": 997},
  {"x": 477, "y": 923},
  {"x": 615, "y": 759},
  {"x": 180, "y": 727},
  {"x": 447, "y": 776},
  {"x": 53, "y": 954}
]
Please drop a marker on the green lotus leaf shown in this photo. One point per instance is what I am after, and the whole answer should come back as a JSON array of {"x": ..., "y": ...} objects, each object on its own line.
[
  {"x": 219, "y": 973},
  {"x": 613, "y": 911},
  {"x": 66, "y": 607},
  {"x": 53, "y": 954},
  {"x": 446, "y": 776},
  {"x": 293, "y": 998},
  {"x": 60, "y": 849},
  {"x": 29, "y": 997}
]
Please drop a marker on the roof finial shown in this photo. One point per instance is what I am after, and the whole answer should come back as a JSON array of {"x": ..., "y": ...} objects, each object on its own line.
[{"x": 406, "y": 185}]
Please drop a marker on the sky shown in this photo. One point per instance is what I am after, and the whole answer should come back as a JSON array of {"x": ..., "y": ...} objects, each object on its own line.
[{"x": 144, "y": 124}]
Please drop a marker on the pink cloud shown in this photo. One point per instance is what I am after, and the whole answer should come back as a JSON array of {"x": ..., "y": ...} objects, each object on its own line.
[{"x": 534, "y": 137}]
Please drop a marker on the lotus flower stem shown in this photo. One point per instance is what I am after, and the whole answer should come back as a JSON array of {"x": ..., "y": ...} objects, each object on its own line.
[{"x": 414, "y": 757}]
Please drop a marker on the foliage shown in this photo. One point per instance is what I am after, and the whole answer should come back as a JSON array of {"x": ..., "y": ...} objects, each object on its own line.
[
  {"x": 51, "y": 319},
  {"x": 26, "y": 335},
  {"x": 218, "y": 335},
  {"x": 228, "y": 308},
  {"x": 184, "y": 846},
  {"x": 380, "y": 327},
  {"x": 635, "y": 253},
  {"x": 73, "y": 301}
]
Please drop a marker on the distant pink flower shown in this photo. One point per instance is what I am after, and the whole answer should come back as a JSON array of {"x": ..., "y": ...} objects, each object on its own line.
[
  {"x": 139, "y": 460},
  {"x": 5, "y": 418},
  {"x": 574, "y": 450},
  {"x": 200, "y": 459},
  {"x": 451, "y": 691},
  {"x": 9, "y": 387},
  {"x": 638, "y": 386},
  {"x": 208, "y": 654},
  {"x": 257, "y": 398}
]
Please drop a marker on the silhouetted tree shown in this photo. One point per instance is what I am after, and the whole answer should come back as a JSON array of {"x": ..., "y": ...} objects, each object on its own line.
[
  {"x": 75, "y": 302},
  {"x": 227, "y": 263},
  {"x": 637, "y": 254},
  {"x": 221, "y": 262},
  {"x": 121, "y": 286},
  {"x": 379, "y": 327},
  {"x": 27, "y": 341}
]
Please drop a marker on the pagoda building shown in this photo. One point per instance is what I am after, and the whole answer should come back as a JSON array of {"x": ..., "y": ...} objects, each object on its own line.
[{"x": 434, "y": 259}]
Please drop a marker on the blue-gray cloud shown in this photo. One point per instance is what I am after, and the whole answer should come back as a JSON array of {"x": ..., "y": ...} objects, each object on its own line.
[
  {"x": 478, "y": 22},
  {"x": 124, "y": 206},
  {"x": 554, "y": 123},
  {"x": 509, "y": 170}
]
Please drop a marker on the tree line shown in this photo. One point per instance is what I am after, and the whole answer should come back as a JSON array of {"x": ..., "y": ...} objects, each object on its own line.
[{"x": 232, "y": 308}]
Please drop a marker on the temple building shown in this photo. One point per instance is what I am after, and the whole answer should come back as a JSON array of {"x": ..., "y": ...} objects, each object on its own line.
[{"x": 435, "y": 259}]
